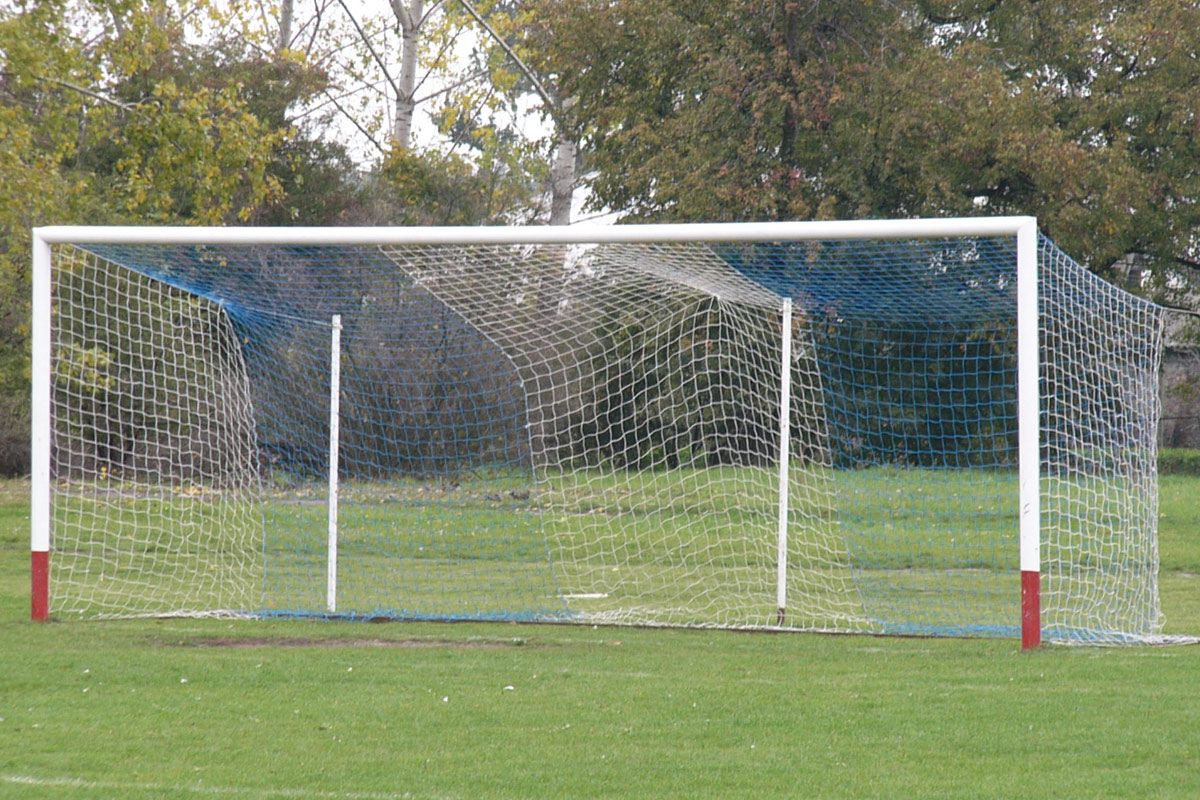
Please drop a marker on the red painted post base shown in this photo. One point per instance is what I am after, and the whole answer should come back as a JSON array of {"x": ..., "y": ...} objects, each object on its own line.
[
  {"x": 40, "y": 596},
  {"x": 1031, "y": 609}
]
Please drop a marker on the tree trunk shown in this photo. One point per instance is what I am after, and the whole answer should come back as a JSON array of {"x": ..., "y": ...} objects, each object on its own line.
[
  {"x": 286, "y": 13},
  {"x": 562, "y": 181},
  {"x": 791, "y": 121},
  {"x": 409, "y": 16}
]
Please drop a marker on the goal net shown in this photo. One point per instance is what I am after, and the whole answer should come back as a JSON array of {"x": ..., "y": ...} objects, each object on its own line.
[{"x": 784, "y": 426}]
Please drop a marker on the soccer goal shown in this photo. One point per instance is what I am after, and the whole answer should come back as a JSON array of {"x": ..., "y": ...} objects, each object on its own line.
[{"x": 923, "y": 427}]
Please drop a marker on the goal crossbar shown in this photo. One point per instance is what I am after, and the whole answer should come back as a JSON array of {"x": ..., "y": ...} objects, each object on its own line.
[
  {"x": 541, "y": 234},
  {"x": 1022, "y": 229}
]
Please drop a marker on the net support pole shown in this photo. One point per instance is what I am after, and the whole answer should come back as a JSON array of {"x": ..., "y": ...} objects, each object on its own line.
[
  {"x": 335, "y": 391},
  {"x": 1029, "y": 419},
  {"x": 39, "y": 515},
  {"x": 785, "y": 449}
]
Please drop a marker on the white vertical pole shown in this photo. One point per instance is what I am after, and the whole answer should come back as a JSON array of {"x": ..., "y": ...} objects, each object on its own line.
[
  {"x": 785, "y": 448},
  {"x": 1029, "y": 426},
  {"x": 335, "y": 391},
  {"x": 41, "y": 433}
]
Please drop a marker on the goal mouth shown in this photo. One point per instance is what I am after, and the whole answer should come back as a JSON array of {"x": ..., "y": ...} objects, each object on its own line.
[{"x": 879, "y": 427}]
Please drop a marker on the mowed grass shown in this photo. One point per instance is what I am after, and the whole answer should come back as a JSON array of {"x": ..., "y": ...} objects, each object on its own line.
[
  {"x": 872, "y": 550},
  {"x": 170, "y": 708}
]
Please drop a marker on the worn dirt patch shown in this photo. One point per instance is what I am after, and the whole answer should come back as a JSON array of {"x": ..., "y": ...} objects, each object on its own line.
[{"x": 415, "y": 644}]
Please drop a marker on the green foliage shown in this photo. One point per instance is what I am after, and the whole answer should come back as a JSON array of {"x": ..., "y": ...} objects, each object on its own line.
[
  {"x": 1121, "y": 83},
  {"x": 904, "y": 375},
  {"x": 125, "y": 425},
  {"x": 701, "y": 110},
  {"x": 128, "y": 123},
  {"x": 1082, "y": 113},
  {"x": 480, "y": 111},
  {"x": 431, "y": 188},
  {"x": 319, "y": 186},
  {"x": 1178, "y": 461}
]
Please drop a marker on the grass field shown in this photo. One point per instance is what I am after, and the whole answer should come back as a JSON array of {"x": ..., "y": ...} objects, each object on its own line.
[
  {"x": 919, "y": 551},
  {"x": 294, "y": 708}
]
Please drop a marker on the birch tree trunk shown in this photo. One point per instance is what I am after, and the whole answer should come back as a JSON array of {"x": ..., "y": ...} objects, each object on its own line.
[
  {"x": 410, "y": 17},
  {"x": 287, "y": 10},
  {"x": 562, "y": 181},
  {"x": 562, "y": 169}
]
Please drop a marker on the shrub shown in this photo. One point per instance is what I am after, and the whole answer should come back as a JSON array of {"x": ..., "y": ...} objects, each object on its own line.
[{"x": 1178, "y": 461}]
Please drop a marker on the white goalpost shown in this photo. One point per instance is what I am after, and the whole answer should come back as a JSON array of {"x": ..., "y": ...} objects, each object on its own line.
[
  {"x": 335, "y": 392},
  {"x": 915, "y": 427}
]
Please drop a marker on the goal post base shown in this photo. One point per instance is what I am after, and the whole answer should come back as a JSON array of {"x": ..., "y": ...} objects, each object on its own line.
[
  {"x": 1031, "y": 612},
  {"x": 40, "y": 589}
]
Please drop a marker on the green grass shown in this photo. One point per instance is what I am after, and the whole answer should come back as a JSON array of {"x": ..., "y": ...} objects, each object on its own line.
[
  {"x": 165, "y": 708},
  {"x": 683, "y": 547}
]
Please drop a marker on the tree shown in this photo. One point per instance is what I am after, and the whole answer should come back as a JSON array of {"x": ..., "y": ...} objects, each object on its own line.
[
  {"x": 1081, "y": 112},
  {"x": 1122, "y": 82},
  {"x": 706, "y": 110},
  {"x": 109, "y": 114},
  {"x": 513, "y": 74}
]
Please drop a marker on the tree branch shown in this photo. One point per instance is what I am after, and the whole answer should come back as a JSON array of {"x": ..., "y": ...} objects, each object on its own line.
[
  {"x": 365, "y": 40},
  {"x": 316, "y": 19},
  {"x": 354, "y": 122},
  {"x": 445, "y": 45},
  {"x": 429, "y": 11},
  {"x": 87, "y": 92},
  {"x": 330, "y": 98},
  {"x": 552, "y": 107},
  {"x": 451, "y": 87}
]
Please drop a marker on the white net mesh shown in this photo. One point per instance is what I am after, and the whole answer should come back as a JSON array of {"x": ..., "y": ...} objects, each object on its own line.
[
  {"x": 157, "y": 508},
  {"x": 1102, "y": 351},
  {"x": 592, "y": 433}
]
